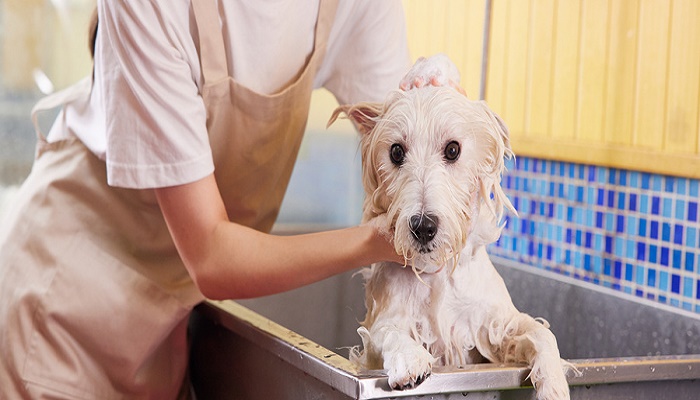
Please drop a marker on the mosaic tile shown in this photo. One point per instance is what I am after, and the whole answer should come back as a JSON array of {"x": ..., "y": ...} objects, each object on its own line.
[{"x": 630, "y": 231}]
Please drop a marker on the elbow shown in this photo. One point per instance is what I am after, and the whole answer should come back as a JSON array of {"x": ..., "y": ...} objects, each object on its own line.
[
  {"x": 211, "y": 287},
  {"x": 214, "y": 284},
  {"x": 212, "y": 292},
  {"x": 210, "y": 282}
]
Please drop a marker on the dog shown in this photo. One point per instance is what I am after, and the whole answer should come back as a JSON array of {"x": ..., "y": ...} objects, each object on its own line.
[{"x": 432, "y": 162}]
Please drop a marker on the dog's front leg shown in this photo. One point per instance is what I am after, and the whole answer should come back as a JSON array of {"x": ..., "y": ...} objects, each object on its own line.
[
  {"x": 520, "y": 338},
  {"x": 396, "y": 327},
  {"x": 407, "y": 362}
]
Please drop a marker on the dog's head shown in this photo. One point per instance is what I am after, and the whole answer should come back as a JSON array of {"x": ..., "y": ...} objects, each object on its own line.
[{"x": 431, "y": 160}]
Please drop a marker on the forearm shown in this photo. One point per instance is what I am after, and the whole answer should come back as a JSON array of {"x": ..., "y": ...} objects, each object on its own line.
[
  {"x": 228, "y": 260},
  {"x": 245, "y": 263}
]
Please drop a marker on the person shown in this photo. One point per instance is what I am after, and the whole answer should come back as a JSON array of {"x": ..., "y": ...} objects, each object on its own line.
[{"x": 161, "y": 177}]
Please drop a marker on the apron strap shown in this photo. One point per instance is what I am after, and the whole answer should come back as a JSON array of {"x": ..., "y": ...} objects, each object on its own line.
[
  {"x": 326, "y": 16},
  {"x": 58, "y": 99},
  {"x": 211, "y": 40}
]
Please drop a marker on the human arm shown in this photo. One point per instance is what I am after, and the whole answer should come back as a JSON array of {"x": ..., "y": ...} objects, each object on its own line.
[{"x": 228, "y": 260}]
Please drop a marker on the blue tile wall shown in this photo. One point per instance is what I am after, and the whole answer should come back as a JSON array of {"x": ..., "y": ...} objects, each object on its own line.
[{"x": 630, "y": 231}]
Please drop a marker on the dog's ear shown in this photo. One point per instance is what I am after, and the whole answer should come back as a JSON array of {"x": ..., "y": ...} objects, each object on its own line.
[
  {"x": 363, "y": 115},
  {"x": 500, "y": 127},
  {"x": 491, "y": 190}
]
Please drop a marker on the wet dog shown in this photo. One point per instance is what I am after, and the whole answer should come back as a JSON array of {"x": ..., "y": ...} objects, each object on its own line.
[{"x": 432, "y": 164}]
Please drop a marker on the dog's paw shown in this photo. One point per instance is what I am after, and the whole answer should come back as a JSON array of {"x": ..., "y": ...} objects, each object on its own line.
[
  {"x": 549, "y": 379},
  {"x": 409, "y": 368},
  {"x": 552, "y": 389},
  {"x": 407, "y": 382},
  {"x": 437, "y": 70}
]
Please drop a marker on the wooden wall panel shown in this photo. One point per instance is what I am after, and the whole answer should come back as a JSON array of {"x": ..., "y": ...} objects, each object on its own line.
[
  {"x": 539, "y": 68},
  {"x": 497, "y": 57},
  {"x": 652, "y": 72},
  {"x": 592, "y": 71},
  {"x": 683, "y": 79},
  {"x": 621, "y": 72},
  {"x": 565, "y": 70},
  {"x": 516, "y": 66},
  {"x": 607, "y": 82},
  {"x": 474, "y": 36}
]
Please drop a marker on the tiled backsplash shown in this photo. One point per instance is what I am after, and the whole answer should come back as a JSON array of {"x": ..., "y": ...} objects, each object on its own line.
[{"x": 630, "y": 231}]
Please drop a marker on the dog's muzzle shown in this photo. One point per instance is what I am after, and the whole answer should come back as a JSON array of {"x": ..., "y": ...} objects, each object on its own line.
[{"x": 424, "y": 227}]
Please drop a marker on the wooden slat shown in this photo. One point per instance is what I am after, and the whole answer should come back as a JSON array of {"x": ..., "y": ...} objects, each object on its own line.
[
  {"x": 565, "y": 69},
  {"x": 412, "y": 27},
  {"x": 539, "y": 79},
  {"x": 474, "y": 31},
  {"x": 456, "y": 42},
  {"x": 592, "y": 71},
  {"x": 681, "y": 133},
  {"x": 516, "y": 72},
  {"x": 621, "y": 72},
  {"x": 435, "y": 16},
  {"x": 498, "y": 53},
  {"x": 652, "y": 72}
]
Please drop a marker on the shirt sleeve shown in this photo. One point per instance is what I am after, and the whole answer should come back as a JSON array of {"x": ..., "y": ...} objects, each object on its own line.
[
  {"x": 367, "y": 53},
  {"x": 155, "y": 119}
]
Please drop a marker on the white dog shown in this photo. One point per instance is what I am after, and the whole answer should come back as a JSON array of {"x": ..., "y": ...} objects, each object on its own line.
[{"x": 432, "y": 162}]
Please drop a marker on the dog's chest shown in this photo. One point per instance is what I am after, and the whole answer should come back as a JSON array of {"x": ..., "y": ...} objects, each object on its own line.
[
  {"x": 438, "y": 300},
  {"x": 447, "y": 319}
]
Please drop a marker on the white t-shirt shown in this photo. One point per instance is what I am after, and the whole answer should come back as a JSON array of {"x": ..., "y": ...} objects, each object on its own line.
[{"x": 145, "y": 116}]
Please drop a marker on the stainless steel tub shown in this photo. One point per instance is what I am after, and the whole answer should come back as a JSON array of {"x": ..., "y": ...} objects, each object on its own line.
[{"x": 294, "y": 346}]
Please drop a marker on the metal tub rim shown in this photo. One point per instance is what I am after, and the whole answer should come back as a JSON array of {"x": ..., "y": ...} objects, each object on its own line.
[{"x": 342, "y": 375}]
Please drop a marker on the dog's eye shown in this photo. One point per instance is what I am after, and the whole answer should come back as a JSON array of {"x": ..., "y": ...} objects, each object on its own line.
[
  {"x": 452, "y": 151},
  {"x": 397, "y": 154}
]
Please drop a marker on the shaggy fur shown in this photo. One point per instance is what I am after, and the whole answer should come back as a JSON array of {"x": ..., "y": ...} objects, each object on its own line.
[{"x": 450, "y": 307}]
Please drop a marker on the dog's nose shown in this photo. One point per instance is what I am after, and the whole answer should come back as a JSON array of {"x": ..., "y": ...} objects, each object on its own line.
[{"x": 424, "y": 227}]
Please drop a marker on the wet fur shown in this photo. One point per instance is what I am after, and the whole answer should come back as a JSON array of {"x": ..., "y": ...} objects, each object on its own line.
[{"x": 450, "y": 307}]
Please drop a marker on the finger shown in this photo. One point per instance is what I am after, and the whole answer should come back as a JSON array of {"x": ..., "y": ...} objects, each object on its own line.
[
  {"x": 456, "y": 86},
  {"x": 418, "y": 82},
  {"x": 436, "y": 81}
]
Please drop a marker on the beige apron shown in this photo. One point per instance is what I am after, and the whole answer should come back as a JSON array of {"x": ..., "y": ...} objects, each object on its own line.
[{"x": 94, "y": 300}]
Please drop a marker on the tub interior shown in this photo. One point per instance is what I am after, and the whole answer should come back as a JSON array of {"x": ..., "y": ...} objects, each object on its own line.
[
  {"x": 596, "y": 327},
  {"x": 588, "y": 321}
]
